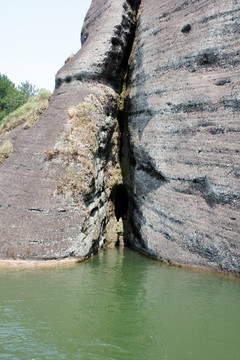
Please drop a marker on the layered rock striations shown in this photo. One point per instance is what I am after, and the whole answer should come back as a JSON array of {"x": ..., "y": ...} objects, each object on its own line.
[
  {"x": 107, "y": 38},
  {"x": 57, "y": 188},
  {"x": 184, "y": 133},
  {"x": 143, "y": 125}
]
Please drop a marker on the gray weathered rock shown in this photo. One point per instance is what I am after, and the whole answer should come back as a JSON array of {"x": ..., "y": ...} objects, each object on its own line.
[
  {"x": 56, "y": 188},
  {"x": 184, "y": 125},
  {"x": 107, "y": 37},
  {"x": 179, "y": 148},
  {"x": 46, "y": 209}
]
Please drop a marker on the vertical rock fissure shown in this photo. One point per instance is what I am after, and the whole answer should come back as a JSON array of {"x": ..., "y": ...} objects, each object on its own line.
[
  {"x": 75, "y": 150},
  {"x": 121, "y": 199},
  {"x": 120, "y": 196},
  {"x": 109, "y": 222}
]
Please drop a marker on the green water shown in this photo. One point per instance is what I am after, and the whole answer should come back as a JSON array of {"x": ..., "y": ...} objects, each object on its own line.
[{"x": 118, "y": 305}]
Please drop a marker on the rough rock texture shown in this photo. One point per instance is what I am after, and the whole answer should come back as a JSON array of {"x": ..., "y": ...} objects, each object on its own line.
[
  {"x": 184, "y": 133},
  {"x": 46, "y": 209},
  {"x": 56, "y": 187},
  {"x": 107, "y": 37},
  {"x": 179, "y": 148}
]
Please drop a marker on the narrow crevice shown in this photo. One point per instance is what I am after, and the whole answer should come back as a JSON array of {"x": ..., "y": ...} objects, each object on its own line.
[
  {"x": 113, "y": 72},
  {"x": 120, "y": 200},
  {"x": 114, "y": 154},
  {"x": 119, "y": 195}
]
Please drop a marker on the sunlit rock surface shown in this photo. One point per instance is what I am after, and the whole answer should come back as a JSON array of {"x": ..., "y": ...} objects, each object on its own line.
[
  {"x": 56, "y": 188},
  {"x": 184, "y": 133}
]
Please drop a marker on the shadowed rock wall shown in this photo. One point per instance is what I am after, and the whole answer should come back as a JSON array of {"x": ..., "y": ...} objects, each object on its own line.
[{"x": 184, "y": 133}]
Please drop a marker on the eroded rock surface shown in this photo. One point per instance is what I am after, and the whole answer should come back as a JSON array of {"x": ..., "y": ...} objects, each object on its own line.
[
  {"x": 107, "y": 37},
  {"x": 179, "y": 147},
  {"x": 184, "y": 133},
  {"x": 56, "y": 187}
]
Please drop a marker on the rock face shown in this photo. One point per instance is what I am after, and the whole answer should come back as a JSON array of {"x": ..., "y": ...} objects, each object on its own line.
[
  {"x": 58, "y": 187},
  {"x": 184, "y": 133},
  {"x": 107, "y": 38},
  {"x": 178, "y": 191}
]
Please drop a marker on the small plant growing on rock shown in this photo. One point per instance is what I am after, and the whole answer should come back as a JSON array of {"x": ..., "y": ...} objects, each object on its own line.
[
  {"x": 50, "y": 154},
  {"x": 122, "y": 95},
  {"x": 69, "y": 58},
  {"x": 6, "y": 150},
  {"x": 77, "y": 151}
]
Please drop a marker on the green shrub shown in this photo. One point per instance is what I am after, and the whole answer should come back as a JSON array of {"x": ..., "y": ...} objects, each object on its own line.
[
  {"x": 27, "y": 113},
  {"x": 11, "y": 97}
]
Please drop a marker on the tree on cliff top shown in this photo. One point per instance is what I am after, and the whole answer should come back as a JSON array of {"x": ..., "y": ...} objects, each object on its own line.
[{"x": 11, "y": 97}]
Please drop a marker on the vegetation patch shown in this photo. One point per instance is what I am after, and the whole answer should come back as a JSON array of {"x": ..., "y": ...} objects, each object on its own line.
[
  {"x": 77, "y": 152},
  {"x": 69, "y": 58},
  {"x": 28, "y": 113},
  {"x": 74, "y": 182},
  {"x": 6, "y": 150},
  {"x": 83, "y": 130},
  {"x": 11, "y": 97},
  {"x": 122, "y": 95}
]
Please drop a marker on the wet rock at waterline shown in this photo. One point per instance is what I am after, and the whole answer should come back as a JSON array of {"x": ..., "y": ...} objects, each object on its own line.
[{"x": 62, "y": 191}]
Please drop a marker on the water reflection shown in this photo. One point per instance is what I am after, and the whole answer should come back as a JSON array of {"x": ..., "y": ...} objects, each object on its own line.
[{"x": 118, "y": 305}]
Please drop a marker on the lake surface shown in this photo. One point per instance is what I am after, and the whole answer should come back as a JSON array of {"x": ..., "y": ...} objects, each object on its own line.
[{"x": 118, "y": 305}]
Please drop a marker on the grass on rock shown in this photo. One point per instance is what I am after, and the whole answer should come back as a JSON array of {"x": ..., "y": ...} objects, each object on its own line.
[
  {"x": 77, "y": 151},
  {"x": 28, "y": 113},
  {"x": 6, "y": 150}
]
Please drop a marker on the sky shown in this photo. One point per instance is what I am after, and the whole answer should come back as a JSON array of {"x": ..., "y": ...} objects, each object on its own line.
[{"x": 36, "y": 37}]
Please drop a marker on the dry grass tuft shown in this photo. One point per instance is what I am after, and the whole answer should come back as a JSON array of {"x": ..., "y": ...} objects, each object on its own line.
[
  {"x": 77, "y": 152},
  {"x": 6, "y": 150}
]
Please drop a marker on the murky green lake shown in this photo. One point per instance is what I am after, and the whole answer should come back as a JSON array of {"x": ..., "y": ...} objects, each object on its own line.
[{"x": 118, "y": 305}]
